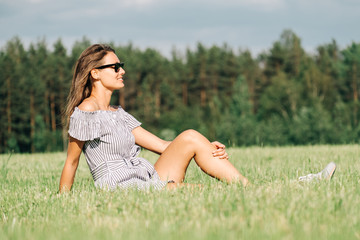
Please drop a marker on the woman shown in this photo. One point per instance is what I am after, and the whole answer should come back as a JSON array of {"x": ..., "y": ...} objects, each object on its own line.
[{"x": 110, "y": 137}]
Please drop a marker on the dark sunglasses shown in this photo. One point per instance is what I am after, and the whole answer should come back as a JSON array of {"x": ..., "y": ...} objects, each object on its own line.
[{"x": 116, "y": 66}]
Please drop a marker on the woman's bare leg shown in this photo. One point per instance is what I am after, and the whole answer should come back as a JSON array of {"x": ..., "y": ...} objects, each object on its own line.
[{"x": 174, "y": 161}]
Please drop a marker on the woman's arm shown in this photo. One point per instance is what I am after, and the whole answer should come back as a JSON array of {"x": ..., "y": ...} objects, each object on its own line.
[
  {"x": 71, "y": 164},
  {"x": 149, "y": 141},
  {"x": 153, "y": 143}
]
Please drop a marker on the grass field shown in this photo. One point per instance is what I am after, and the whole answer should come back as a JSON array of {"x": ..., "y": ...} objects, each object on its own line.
[{"x": 275, "y": 206}]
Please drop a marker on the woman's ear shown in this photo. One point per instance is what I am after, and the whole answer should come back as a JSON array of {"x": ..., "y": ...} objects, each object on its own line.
[{"x": 95, "y": 74}]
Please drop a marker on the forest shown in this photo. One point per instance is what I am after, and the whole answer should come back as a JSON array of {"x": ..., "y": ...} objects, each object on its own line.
[{"x": 282, "y": 96}]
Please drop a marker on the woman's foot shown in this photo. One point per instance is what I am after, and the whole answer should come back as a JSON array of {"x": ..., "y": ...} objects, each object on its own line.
[{"x": 326, "y": 174}]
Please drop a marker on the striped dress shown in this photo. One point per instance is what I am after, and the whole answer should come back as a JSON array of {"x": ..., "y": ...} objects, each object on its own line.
[{"x": 110, "y": 149}]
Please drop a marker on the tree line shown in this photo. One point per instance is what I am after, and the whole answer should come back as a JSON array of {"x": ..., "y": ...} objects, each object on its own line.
[{"x": 283, "y": 96}]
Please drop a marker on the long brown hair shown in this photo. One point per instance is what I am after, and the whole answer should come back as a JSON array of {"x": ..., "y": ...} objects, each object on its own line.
[{"x": 81, "y": 84}]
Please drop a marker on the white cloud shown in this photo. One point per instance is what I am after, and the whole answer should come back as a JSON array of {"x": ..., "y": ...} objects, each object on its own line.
[
  {"x": 139, "y": 3},
  {"x": 36, "y": 1},
  {"x": 25, "y": 2},
  {"x": 260, "y": 5}
]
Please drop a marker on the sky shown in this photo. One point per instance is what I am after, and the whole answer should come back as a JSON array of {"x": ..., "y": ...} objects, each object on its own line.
[{"x": 181, "y": 24}]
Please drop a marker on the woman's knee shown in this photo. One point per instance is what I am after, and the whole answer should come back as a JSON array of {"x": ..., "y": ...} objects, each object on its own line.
[{"x": 190, "y": 136}]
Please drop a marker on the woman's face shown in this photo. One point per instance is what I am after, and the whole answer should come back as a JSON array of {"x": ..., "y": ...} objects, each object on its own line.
[{"x": 108, "y": 77}]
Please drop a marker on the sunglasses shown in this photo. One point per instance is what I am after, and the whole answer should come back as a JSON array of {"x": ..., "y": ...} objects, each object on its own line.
[{"x": 116, "y": 66}]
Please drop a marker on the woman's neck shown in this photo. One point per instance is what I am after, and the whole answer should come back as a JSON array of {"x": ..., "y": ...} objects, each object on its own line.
[{"x": 102, "y": 99}]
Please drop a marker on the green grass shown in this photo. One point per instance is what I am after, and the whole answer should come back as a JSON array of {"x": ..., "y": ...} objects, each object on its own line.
[{"x": 275, "y": 206}]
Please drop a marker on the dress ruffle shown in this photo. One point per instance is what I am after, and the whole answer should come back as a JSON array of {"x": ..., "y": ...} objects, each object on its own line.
[
  {"x": 85, "y": 125},
  {"x": 130, "y": 120}
]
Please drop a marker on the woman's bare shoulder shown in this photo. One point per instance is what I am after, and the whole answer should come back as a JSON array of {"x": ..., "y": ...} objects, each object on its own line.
[{"x": 88, "y": 105}]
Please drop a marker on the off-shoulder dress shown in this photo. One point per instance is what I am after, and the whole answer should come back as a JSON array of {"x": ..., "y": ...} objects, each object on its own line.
[{"x": 110, "y": 149}]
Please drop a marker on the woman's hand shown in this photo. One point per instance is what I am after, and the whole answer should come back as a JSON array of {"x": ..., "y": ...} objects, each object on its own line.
[{"x": 220, "y": 150}]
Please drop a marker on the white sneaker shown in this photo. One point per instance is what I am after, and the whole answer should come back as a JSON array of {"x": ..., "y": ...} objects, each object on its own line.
[{"x": 326, "y": 174}]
